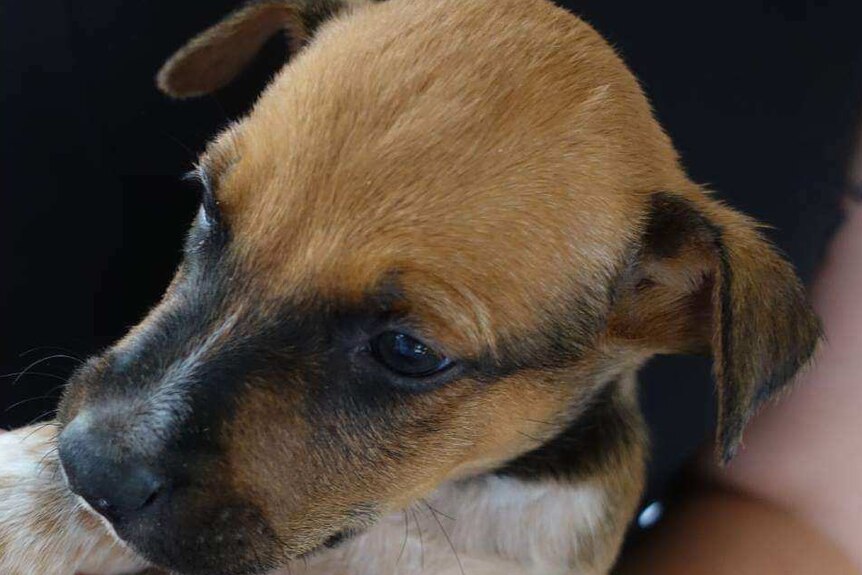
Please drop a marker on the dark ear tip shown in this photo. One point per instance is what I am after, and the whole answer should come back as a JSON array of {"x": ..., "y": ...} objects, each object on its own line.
[
  {"x": 726, "y": 449},
  {"x": 730, "y": 433},
  {"x": 728, "y": 440}
]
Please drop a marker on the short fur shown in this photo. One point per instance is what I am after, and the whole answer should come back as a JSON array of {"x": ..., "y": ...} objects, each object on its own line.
[{"x": 484, "y": 175}]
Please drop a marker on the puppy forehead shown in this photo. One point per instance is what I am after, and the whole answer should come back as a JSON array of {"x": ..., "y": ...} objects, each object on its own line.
[{"x": 479, "y": 149}]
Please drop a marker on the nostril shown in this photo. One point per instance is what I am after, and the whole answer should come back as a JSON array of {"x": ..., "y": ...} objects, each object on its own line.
[
  {"x": 121, "y": 500},
  {"x": 139, "y": 489},
  {"x": 117, "y": 484},
  {"x": 155, "y": 491},
  {"x": 152, "y": 497}
]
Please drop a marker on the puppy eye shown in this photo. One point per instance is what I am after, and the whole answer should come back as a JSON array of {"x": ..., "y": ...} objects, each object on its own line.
[
  {"x": 209, "y": 207},
  {"x": 407, "y": 355},
  {"x": 209, "y": 213}
]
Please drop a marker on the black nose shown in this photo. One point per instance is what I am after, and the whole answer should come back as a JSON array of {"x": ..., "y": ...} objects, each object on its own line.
[{"x": 115, "y": 477}]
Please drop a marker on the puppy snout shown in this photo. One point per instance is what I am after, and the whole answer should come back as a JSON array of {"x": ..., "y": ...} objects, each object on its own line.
[{"x": 118, "y": 480}]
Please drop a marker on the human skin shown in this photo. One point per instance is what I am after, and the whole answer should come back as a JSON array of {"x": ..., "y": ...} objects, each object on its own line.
[
  {"x": 791, "y": 501},
  {"x": 805, "y": 454}
]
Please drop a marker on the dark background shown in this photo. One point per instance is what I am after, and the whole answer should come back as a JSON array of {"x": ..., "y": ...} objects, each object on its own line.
[{"x": 761, "y": 98}]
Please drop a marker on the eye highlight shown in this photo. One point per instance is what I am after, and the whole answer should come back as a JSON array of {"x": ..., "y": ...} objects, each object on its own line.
[{"x": 406, "y": 355}]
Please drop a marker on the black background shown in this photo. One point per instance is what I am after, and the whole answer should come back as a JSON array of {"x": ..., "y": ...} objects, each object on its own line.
[{"x": 761, "y": 98}]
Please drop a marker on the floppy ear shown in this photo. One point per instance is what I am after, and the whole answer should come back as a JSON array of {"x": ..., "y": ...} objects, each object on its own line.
[
  {"x": 214, "y": 57},
  {"x": 705, "y": 279}
]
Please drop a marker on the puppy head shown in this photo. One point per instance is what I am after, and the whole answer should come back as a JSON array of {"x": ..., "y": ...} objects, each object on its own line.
[{"x": 443, "y": 229}]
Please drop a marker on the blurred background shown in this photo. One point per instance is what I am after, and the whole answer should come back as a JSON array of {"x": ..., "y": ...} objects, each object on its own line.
[{"x": 762, "y": 98}]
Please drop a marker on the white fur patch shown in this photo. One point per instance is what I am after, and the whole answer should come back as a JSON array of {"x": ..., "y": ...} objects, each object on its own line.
[
  {"x": 41, "y": 526},
  {"x": 489, "y": 525}
]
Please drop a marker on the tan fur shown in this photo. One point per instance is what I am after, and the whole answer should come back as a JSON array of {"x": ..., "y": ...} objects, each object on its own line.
[{"x": 498, "y": 161}]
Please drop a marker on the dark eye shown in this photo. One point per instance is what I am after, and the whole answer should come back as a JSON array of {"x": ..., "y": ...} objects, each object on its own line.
[
  {"x": 209, "y": 206},
  {"x": 407, "y": 355},
  {"x": 209, "y": 213}
]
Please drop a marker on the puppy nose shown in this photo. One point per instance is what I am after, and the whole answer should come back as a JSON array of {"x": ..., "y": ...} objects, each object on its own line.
[{"x": 117, "y": 482}]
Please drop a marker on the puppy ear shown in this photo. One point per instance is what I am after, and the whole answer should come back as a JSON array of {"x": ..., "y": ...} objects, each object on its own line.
[
  {"x": 214, "y": 57},
  {"x": 706, "y": 280}
]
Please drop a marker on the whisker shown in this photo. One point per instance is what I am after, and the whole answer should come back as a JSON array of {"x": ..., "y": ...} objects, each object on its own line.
[
  {"x": 406, "y": 536},
  {"x": 55, "y": 473},
  {"x": 530, "y": 437},
  {"x": 35, "y": 374},
  {"x": 541, "y": 422},
  {"x": 421, "y": 542},
  {"x": 26, "y": 401},
  {"x": 446, "y": 535},
  {"x": 179, "y": 142},
  {"x": 437, "y": 511},
  {"x": 54, "y": 347},
  {"x": 49, "y": 395},
  {"x": 37, "y": 429},
  {"x": 43, "y": 461},
  {"x": 215, "y": 100},
  {"x": 40, "y": 416},
  {"x": 43, "y": 360}
]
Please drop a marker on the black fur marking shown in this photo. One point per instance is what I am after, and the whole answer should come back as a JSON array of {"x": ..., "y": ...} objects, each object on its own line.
[
  {"x": 337, "y": 539},
  {"x": 672, "y": 223},
  {"x": 317, "y": 12},
  {"x": 730, "y": 394},
  {"x": 319, "y": 346},
  {"x": 212, "y": 543},
  {"x": 675, "y": 222},
  {"x": 313, "y": 350},
  {"x": 567, "y": 332},
  {"x": 604, "y": 428}
]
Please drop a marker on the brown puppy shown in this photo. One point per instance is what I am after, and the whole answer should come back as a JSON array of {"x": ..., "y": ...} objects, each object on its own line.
[{"x": 426, "y": 268}]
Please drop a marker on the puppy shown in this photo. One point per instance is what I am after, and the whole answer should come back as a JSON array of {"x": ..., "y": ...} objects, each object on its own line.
[{"x": 404, "y": 336}]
